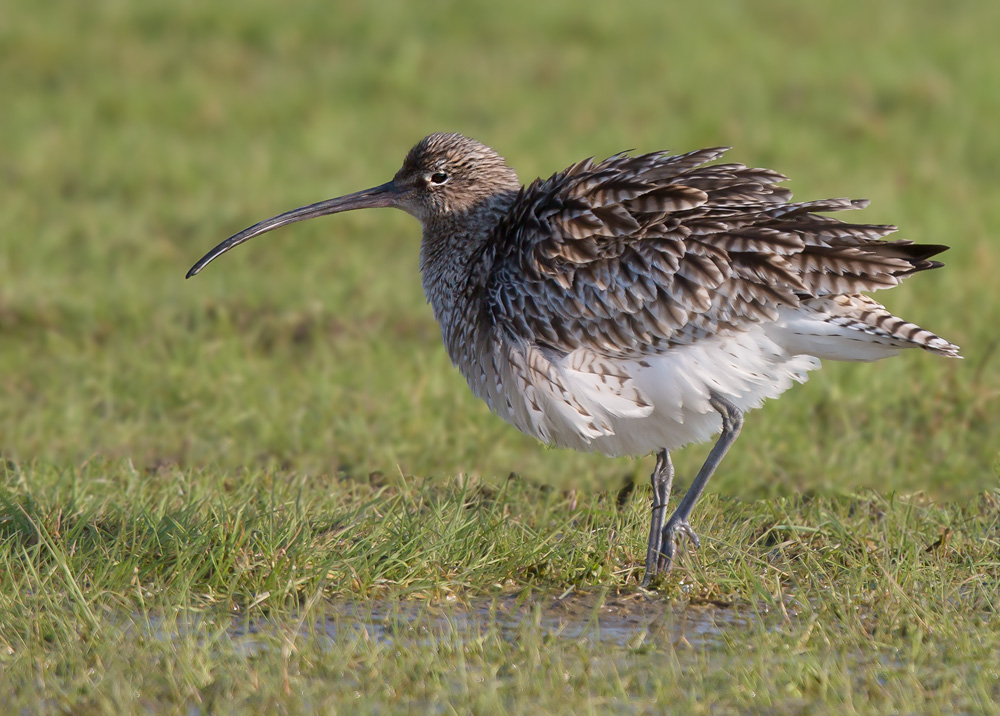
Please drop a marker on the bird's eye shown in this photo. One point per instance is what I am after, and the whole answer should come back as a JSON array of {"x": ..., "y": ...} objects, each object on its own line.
[{"x": 439, "y": 178}]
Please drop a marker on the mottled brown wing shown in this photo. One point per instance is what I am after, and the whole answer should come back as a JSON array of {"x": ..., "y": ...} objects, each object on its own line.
[{"x": 632, "y": 255}]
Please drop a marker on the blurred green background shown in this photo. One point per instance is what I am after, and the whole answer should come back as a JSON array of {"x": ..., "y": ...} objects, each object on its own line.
[{"x": 135, "y": 136}]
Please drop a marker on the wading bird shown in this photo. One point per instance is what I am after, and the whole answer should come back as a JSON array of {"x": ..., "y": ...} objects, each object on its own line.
[{"x": 641, "y": 303}]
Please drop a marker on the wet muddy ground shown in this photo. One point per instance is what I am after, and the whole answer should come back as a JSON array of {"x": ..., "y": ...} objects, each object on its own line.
[{"x": 626, "y": 620}]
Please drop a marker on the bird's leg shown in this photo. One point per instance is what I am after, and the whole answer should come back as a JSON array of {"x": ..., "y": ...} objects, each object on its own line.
[
  {"x": 732, "y": 421},
  {"x": 662, "y": 479}
]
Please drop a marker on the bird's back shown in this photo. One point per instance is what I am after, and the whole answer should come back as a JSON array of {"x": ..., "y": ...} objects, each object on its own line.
[{"x": 624, "y": 291}]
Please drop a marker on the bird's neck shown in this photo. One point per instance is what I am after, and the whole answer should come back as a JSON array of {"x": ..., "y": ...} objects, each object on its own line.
[{"x": 456, "y": 256}]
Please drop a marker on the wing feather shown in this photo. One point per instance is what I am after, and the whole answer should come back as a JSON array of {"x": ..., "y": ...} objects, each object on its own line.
[{"x": 634, "y": 254}]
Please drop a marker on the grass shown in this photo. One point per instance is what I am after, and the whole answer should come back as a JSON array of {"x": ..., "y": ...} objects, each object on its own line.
[
  {"x": 119, "y": 598},
  {"x": 198, "y": 476}
]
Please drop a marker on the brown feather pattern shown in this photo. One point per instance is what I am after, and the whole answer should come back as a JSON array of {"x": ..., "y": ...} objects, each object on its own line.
[{"x": 634, "y": 255}]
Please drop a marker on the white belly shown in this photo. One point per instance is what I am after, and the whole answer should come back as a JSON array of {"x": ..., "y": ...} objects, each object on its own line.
[{"x": 635, "y": 406}]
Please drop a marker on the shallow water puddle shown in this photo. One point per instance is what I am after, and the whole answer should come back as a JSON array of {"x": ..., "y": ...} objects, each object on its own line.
[
  {"x": 613, "y": 620},
  {"x": 622, "y": 620}
]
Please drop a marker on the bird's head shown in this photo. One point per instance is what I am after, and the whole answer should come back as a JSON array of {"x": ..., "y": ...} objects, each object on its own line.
[
  {"x": 450, "y": 174},
  {"x": 443, "y": 175}
]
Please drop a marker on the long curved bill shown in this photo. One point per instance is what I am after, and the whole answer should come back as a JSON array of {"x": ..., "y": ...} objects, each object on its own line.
[{"x": 379, "y": 196}]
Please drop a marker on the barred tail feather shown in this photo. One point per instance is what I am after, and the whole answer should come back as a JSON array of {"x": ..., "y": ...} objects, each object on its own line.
[{"x": 854, "y": 328}]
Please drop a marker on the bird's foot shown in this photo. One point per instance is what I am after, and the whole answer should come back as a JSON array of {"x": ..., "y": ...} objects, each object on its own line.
[
  {"x": 674, "y": 529},
  {"x": 679, "y": 527}
]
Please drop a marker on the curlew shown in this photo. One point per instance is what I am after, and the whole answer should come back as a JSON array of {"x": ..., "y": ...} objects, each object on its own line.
[{"x": 641, "y": 303}]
